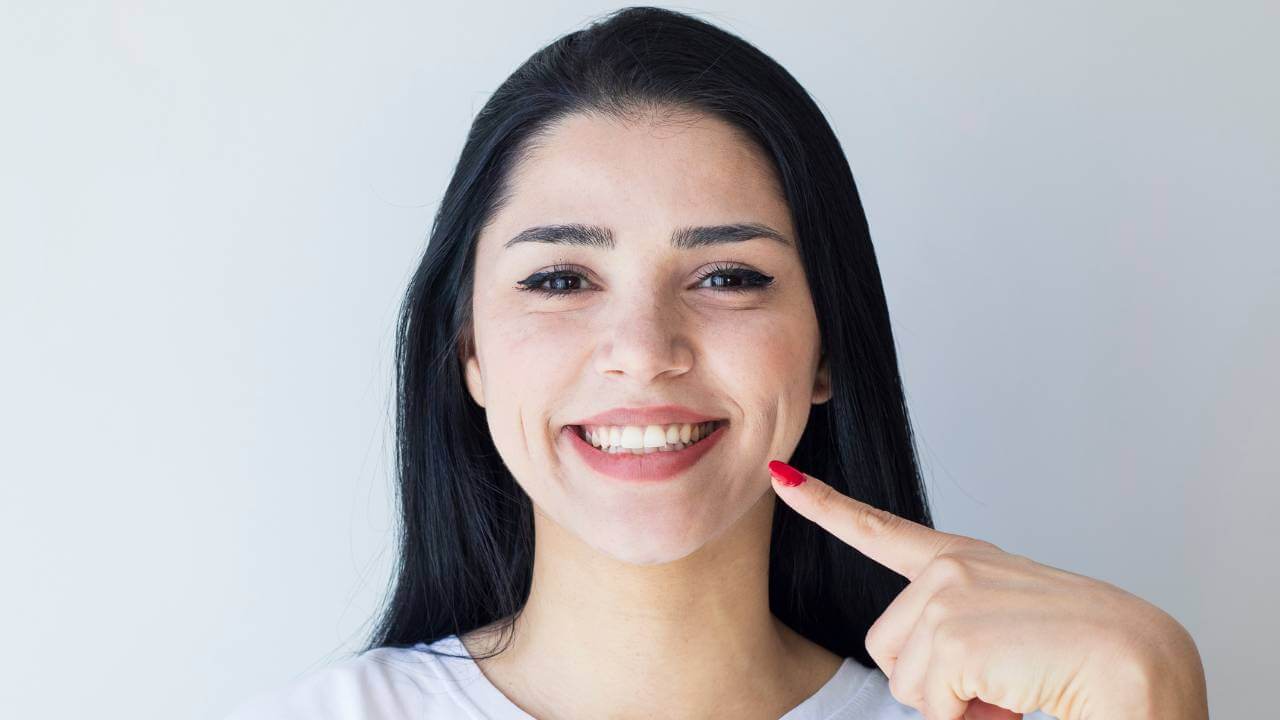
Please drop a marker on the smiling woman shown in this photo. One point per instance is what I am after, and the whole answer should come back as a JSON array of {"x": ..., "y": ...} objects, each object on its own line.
[{"x": 650, "y": 275}]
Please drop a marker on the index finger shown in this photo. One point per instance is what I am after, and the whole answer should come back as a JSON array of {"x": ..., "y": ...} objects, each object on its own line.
[{"x": 902, "y": 545}]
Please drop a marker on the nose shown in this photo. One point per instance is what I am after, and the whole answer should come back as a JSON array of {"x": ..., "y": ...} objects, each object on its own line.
[{"x": 644, "y": 342}]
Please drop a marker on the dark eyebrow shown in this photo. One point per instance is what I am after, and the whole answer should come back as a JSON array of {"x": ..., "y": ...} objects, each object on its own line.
[{"x": 686, "y": 238}]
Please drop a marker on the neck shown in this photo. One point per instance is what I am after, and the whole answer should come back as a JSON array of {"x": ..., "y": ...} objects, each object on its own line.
[{"x": 696, "y": 634}]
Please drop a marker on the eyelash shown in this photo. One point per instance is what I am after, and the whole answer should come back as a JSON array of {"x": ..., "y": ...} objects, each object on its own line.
[{"x": 758, "y": 281}]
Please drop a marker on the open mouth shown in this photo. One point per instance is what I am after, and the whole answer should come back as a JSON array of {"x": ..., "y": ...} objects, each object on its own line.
[{"x": 649, "y": 439}]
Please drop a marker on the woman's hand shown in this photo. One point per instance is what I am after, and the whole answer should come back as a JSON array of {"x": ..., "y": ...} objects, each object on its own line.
[{"x": 981, "y": 633}]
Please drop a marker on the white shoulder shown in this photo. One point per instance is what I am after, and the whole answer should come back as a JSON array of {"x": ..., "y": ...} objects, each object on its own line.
[
  {"x": 379, "y": 684},
  {"x": 876, "y": 702}
]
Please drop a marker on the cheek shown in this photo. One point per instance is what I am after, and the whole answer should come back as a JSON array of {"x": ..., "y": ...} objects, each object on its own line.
[
  {"x": 764, "y": 349},
  {"x": 528, "y": 370},
  {"x": 530, "y": 361},
  {"x": 763, "y": 360},
  {"x": 532, "y": 342}
]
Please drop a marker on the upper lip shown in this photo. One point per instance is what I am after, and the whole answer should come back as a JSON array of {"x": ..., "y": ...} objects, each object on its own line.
[{"x": 648, "y": 415}]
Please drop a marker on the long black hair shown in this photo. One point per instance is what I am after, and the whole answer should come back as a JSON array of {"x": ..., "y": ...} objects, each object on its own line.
[{"x": 466, "y": 537}]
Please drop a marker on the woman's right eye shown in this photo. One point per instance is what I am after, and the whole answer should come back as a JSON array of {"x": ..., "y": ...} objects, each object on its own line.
[{"x": 557, "y": 276}]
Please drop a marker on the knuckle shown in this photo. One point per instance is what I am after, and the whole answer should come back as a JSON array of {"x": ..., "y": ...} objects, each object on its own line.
[
  {"x": 874, "y": 638},
  {"x": 875, "y": 522},
  {"x": 949, "y": 569},
  {"x": 948, "y": 641},
  {"x": 943, "y": 702},
  {"x": 987, "y": 546},
  {"x": 930, "y": 714},
  {"x": 936, "y": 610},
  {"x": 963, "y": 544},
  {"x": 826, "y": 497},
  {"x": 897, "y": 686},
  {"x": 880, "y": 645},
  {"x": 881, "y": 660}
]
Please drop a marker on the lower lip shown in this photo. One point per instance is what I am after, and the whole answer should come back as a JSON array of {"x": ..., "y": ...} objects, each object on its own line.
[{"x": 648, "y": 467}]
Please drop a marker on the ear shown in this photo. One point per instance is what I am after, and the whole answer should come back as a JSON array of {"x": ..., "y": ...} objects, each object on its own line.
[
  {"x": 822, "y": 382},
  {"x": 471, "y": 372}
]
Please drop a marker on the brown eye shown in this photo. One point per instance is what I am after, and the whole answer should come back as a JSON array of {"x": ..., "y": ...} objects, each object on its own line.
[
  {"x": 563, "y": 281},
  {"x": 735, "y": 279}
]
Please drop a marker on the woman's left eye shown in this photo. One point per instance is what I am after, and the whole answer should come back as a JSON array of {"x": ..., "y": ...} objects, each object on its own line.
[
  {"x": 744, "y": 279},
  {"x": 747, "y": 279}
]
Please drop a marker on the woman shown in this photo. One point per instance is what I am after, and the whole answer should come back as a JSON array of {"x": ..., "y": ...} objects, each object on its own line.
[{"x": 650, "y": 282}]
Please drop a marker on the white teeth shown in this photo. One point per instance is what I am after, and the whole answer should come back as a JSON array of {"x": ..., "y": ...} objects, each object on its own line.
[
  {"x": 632, "y": 437},
  {"x": 654, "y": 436},
  {"x": 644, "y": 439}
]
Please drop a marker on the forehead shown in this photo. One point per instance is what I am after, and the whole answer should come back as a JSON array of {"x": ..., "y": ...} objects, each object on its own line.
[{"x": 646, "y": 174}]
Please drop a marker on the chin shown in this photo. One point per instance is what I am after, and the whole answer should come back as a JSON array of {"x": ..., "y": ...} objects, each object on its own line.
[{"x": 663, "y": 537}]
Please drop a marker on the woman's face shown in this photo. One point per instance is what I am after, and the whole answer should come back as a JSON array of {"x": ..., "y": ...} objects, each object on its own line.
[{"x": 638, "y": 328}]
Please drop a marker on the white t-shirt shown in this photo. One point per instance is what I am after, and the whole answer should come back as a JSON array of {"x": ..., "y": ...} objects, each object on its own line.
[{"x": 408, "y": 683}]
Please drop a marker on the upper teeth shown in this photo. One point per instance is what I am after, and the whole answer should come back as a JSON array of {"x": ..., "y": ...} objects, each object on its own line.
[{"x": 639, "y": 437}]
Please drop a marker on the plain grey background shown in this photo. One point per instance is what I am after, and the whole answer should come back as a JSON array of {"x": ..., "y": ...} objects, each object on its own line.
[{"x": 210, "y": 210}]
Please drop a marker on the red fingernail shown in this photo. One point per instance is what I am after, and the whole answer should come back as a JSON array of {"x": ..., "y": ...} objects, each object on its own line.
[{"x": 786, "y": 474}]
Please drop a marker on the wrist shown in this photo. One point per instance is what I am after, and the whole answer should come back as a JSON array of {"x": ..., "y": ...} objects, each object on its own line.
[{"x": 1169, "y": 681}]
